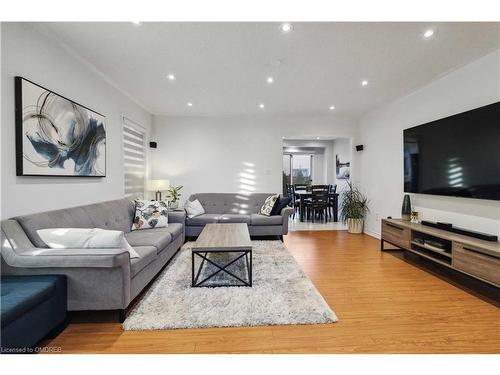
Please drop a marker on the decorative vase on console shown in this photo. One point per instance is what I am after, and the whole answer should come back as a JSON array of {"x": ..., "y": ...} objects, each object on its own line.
[{"x": 406, "y": 209}]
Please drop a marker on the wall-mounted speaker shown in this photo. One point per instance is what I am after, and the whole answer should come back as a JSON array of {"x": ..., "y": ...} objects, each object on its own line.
[
  {"x": 153, "y": 144},
  {"x": 359, "y": 147}
]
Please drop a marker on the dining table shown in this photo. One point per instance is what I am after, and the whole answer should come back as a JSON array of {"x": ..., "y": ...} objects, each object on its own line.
[{"x": 305, "y": 194}]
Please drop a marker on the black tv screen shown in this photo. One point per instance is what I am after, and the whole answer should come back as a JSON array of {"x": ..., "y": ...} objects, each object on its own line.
[{"x": 455, "y": 156}]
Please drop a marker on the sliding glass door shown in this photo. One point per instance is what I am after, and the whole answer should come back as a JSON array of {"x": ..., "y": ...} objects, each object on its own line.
[
  {"x": 302, "y": 169},
  {"x": 297, "y": 169}
]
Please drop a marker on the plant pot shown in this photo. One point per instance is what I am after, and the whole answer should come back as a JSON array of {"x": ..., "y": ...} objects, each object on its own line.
[
  {"x": 355, "y": 225},
  {"x": 174, "y": 205}
]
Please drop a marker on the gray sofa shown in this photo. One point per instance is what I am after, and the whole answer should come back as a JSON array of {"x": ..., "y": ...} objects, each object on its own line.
[
  {"x": 238, "y": 208},
  {"x": 98, "y": 279}
]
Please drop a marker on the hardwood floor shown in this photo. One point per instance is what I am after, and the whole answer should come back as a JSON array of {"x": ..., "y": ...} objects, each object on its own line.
[{"x": 384, "y": 305}]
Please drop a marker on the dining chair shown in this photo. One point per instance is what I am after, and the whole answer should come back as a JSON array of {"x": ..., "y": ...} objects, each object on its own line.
[
  {"x": 294, "y": 202},
  {"x": 318, "y": 202},
  {"x": 300, "y": 186},
  {"x": 332, "y": 199}
]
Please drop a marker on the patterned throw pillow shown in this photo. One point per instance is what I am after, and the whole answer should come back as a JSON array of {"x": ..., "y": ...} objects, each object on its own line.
[
  {"x": 268, "y": 205},
  {"x": 150, "y": 214}
]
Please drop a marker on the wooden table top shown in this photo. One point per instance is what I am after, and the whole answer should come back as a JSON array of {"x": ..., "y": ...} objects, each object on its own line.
[{"x": 224, "y": 237}]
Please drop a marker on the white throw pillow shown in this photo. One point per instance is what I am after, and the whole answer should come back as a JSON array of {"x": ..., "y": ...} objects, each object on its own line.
[
  {"x": 194, "y": 208},
  {"x": 268, "y": 205},
  {"x": 150, "y": 214},
  {"x": 85, "y": 238}
]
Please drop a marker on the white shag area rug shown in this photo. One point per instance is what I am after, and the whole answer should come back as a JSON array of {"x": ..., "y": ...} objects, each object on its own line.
[{"x": 281, "y": 294}]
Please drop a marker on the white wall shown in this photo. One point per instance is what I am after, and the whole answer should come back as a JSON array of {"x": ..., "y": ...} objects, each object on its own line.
[
  {"x": 380, "y": 165},
  {"x": 28, "y": 53},
  {"x": 232, "y": 154}
]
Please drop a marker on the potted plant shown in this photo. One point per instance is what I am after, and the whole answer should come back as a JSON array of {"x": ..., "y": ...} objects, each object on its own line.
[
  {"x": 173, "y": 196},
  {"x": 353, "y": 208}
]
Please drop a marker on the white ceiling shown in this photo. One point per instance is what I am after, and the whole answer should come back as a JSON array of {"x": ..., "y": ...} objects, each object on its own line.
[{"x": 222, "y": 67}]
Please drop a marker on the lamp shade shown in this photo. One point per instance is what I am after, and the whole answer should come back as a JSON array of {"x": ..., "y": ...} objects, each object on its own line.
[{"x": 158, "y": 185}]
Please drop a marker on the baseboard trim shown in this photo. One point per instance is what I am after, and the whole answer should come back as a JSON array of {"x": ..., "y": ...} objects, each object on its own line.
[{"x": 372, "y": 234}]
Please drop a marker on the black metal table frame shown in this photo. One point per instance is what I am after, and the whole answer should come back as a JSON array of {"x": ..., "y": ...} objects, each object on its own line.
[{"x": 220, "y": 268}]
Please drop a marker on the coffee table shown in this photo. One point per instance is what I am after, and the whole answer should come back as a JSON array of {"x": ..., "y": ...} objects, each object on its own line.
[{"x": 232, "y": 239}]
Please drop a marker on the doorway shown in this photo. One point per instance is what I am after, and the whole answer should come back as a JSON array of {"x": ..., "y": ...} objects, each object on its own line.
[{"x": 317, "y": 164}]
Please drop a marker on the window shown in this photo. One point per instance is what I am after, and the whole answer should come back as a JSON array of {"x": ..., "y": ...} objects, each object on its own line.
[
  {"x": 302, "y": 169},
  {"x": 134, "y": 158},
  {"x": 297, "y": 169}
]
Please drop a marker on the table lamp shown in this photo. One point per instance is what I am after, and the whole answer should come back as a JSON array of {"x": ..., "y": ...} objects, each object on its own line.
[{"x": 158, "y": 186}]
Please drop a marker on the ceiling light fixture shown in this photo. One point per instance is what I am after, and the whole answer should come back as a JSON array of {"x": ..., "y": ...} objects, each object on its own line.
[
  {"x": 190, "y": 104},
  {"x": 317, "y": 137},
  {"x": 137, "y": 23},
  {"x": 270, "y": 79},
  {"x": 171, "y": 77},
  {"x": 364, "y": 83},
  {"x": 261, "y": 106},
  {"x": 286, "y": 27},
  {"x": 429, "y": 33},
  {"x": 332, "y": 108}
]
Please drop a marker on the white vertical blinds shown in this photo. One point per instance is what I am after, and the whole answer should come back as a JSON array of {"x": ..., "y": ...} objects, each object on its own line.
[{"x": 134, "y": 159}]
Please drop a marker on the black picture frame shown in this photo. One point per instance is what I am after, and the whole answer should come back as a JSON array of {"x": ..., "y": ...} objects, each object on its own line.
[{"x": 19, "y": 133}]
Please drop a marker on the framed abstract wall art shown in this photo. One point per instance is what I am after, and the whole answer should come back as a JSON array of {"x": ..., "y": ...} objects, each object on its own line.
[{"x": 56, "y": 136}]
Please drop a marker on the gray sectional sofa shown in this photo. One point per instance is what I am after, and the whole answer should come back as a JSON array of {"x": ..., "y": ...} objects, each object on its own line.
[
  {"x": 107, "y": 279},
  {"x": 98, "y": 279},
  {"x": 238, "y": 208}
]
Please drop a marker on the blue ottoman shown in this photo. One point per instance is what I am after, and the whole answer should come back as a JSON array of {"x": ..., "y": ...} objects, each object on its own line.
[{"x": 32, "y": 307}]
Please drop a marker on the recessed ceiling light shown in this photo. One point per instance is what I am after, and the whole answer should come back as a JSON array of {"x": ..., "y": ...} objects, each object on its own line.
[
  {"x": 261, "y": 105},
  {"x": 270, "y": 79},
  {"x": 332, "y": 107},
  {"x": 286, "y": 27},
  {"x": 364, "y": 83},
  {"x": 429, "y": 33},
  {"x": 190, "y": 104},
  {"x": 137, "y": 23},
  {"x": 171, "y": 77},
  {"x": 317, "y": 137}
]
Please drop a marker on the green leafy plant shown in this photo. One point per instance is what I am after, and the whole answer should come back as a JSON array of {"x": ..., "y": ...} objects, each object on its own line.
[
  {"x": 173, "y": 193},
  {"x": 354, "y": 205}
]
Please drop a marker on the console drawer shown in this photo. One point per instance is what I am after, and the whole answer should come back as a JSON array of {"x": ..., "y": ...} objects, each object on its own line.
[
  {"x": 470, "y": 260},
  {"x": 395, "y": 234}
]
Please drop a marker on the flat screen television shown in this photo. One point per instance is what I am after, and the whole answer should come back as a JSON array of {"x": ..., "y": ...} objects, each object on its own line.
[{"x": 455, "y": 156}]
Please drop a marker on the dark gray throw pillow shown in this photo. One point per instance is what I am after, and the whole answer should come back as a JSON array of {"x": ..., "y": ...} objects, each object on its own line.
[{"x": 281, "y": 203}]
